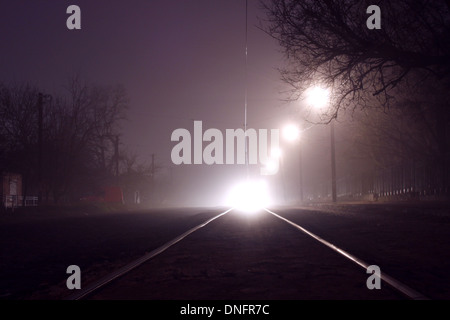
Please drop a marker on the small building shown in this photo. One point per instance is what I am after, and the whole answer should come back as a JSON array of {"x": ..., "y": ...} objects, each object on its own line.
[{"x": 11, "y": 189}]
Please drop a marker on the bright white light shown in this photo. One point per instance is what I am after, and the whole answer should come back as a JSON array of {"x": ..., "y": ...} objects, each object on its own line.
[
  {"x": 249, "y": 196},
  {"x": 291, "y": 132},
  {"x": 318, "y": 97},
  {"x": 272, "y": 166},
  {"x": 276, "y": 153}
]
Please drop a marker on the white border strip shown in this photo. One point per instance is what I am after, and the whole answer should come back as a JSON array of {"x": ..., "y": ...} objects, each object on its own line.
[
  {"x": 127, "y": 268},
  {"x": 411, "y": 293}
]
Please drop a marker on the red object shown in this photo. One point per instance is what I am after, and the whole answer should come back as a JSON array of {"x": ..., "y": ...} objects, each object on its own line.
[{"x": 113, "y": 194}]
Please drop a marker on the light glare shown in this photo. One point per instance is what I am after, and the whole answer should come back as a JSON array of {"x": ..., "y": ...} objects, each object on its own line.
[
  {"x": 291, "y": 132},
  {"x": 318, "y": 97},
  {"x": 276, "y": 153},
  {"x": 249, "y": 196}
]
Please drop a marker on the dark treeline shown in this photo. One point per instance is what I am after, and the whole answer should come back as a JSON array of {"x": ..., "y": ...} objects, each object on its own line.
[{"x": 70, "y": 150}]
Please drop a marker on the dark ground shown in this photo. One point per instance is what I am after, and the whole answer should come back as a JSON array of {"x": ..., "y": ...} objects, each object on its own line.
[
  {"x": 254, "y": 258},
  {"x": 241, "y": 257},
  {"x": 37, "y": 248}
]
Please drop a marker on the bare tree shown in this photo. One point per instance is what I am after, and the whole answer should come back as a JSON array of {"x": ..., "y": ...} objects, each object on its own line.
[
  {"x": 413, "y": 132},
  {"x": 327, "y": 43},
  {"x": 18, "y": 131},
  {"x": 77, "y": 132},
  {"x": 79, "y": 137}
]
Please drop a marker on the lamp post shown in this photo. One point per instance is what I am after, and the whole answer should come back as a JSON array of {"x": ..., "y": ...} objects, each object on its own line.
[
  {"x": 319, "y": 98},
  {"x": 292, "y": 133},
  {"x": 333, "y": 164}
]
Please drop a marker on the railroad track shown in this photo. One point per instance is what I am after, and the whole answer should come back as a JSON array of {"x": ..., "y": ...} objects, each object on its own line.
[{"x": 91, "y": 289}]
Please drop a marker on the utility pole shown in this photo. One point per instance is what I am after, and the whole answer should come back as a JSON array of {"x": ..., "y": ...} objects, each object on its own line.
[
  {"x": 153, "y": 164},
  {"x": 300, "y": 172},
  {"x": 153, "y": 167},
  {"x": 333, "y": 164},
  {"x": 246, "y": 91},
  {"x": 116, "y": 151},
  {"x": 152, "y": 179},
  {"x": 40, "y": 136}
]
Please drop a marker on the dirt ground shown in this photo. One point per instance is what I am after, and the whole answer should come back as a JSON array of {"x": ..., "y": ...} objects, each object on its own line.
[
  {"x": 235, "y": 257},
  {"x": 37, "y": 247},
  {"x": 241, "y": 257}
]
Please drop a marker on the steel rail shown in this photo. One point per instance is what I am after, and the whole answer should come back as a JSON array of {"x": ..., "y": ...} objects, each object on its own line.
[
  {"x": 404, "y": 289},
  {"x": 82, "y": 293}
]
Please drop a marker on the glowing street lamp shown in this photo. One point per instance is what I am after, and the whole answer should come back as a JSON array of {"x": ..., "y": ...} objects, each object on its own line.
[
  {"x": 291, "y": 132},
  {"x": 318, "y": 97},
  {"x": 272, "y": 164}
]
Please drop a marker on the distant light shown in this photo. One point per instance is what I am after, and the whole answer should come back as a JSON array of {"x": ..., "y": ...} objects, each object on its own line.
[
  {"x": 318, "y": 97},
  {"x": 276, "y": 153},
  {"x": 291, "y": 132},
  {"x": 249, "y": 196},
  {"x": 272, "y": 166}
]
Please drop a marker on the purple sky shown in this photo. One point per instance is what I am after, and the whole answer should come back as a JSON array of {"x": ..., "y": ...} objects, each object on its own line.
[{"x": 179, "y": 61}]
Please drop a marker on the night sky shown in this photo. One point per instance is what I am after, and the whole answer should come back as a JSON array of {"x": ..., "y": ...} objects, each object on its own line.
[{"x": 178, "y": 60}]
